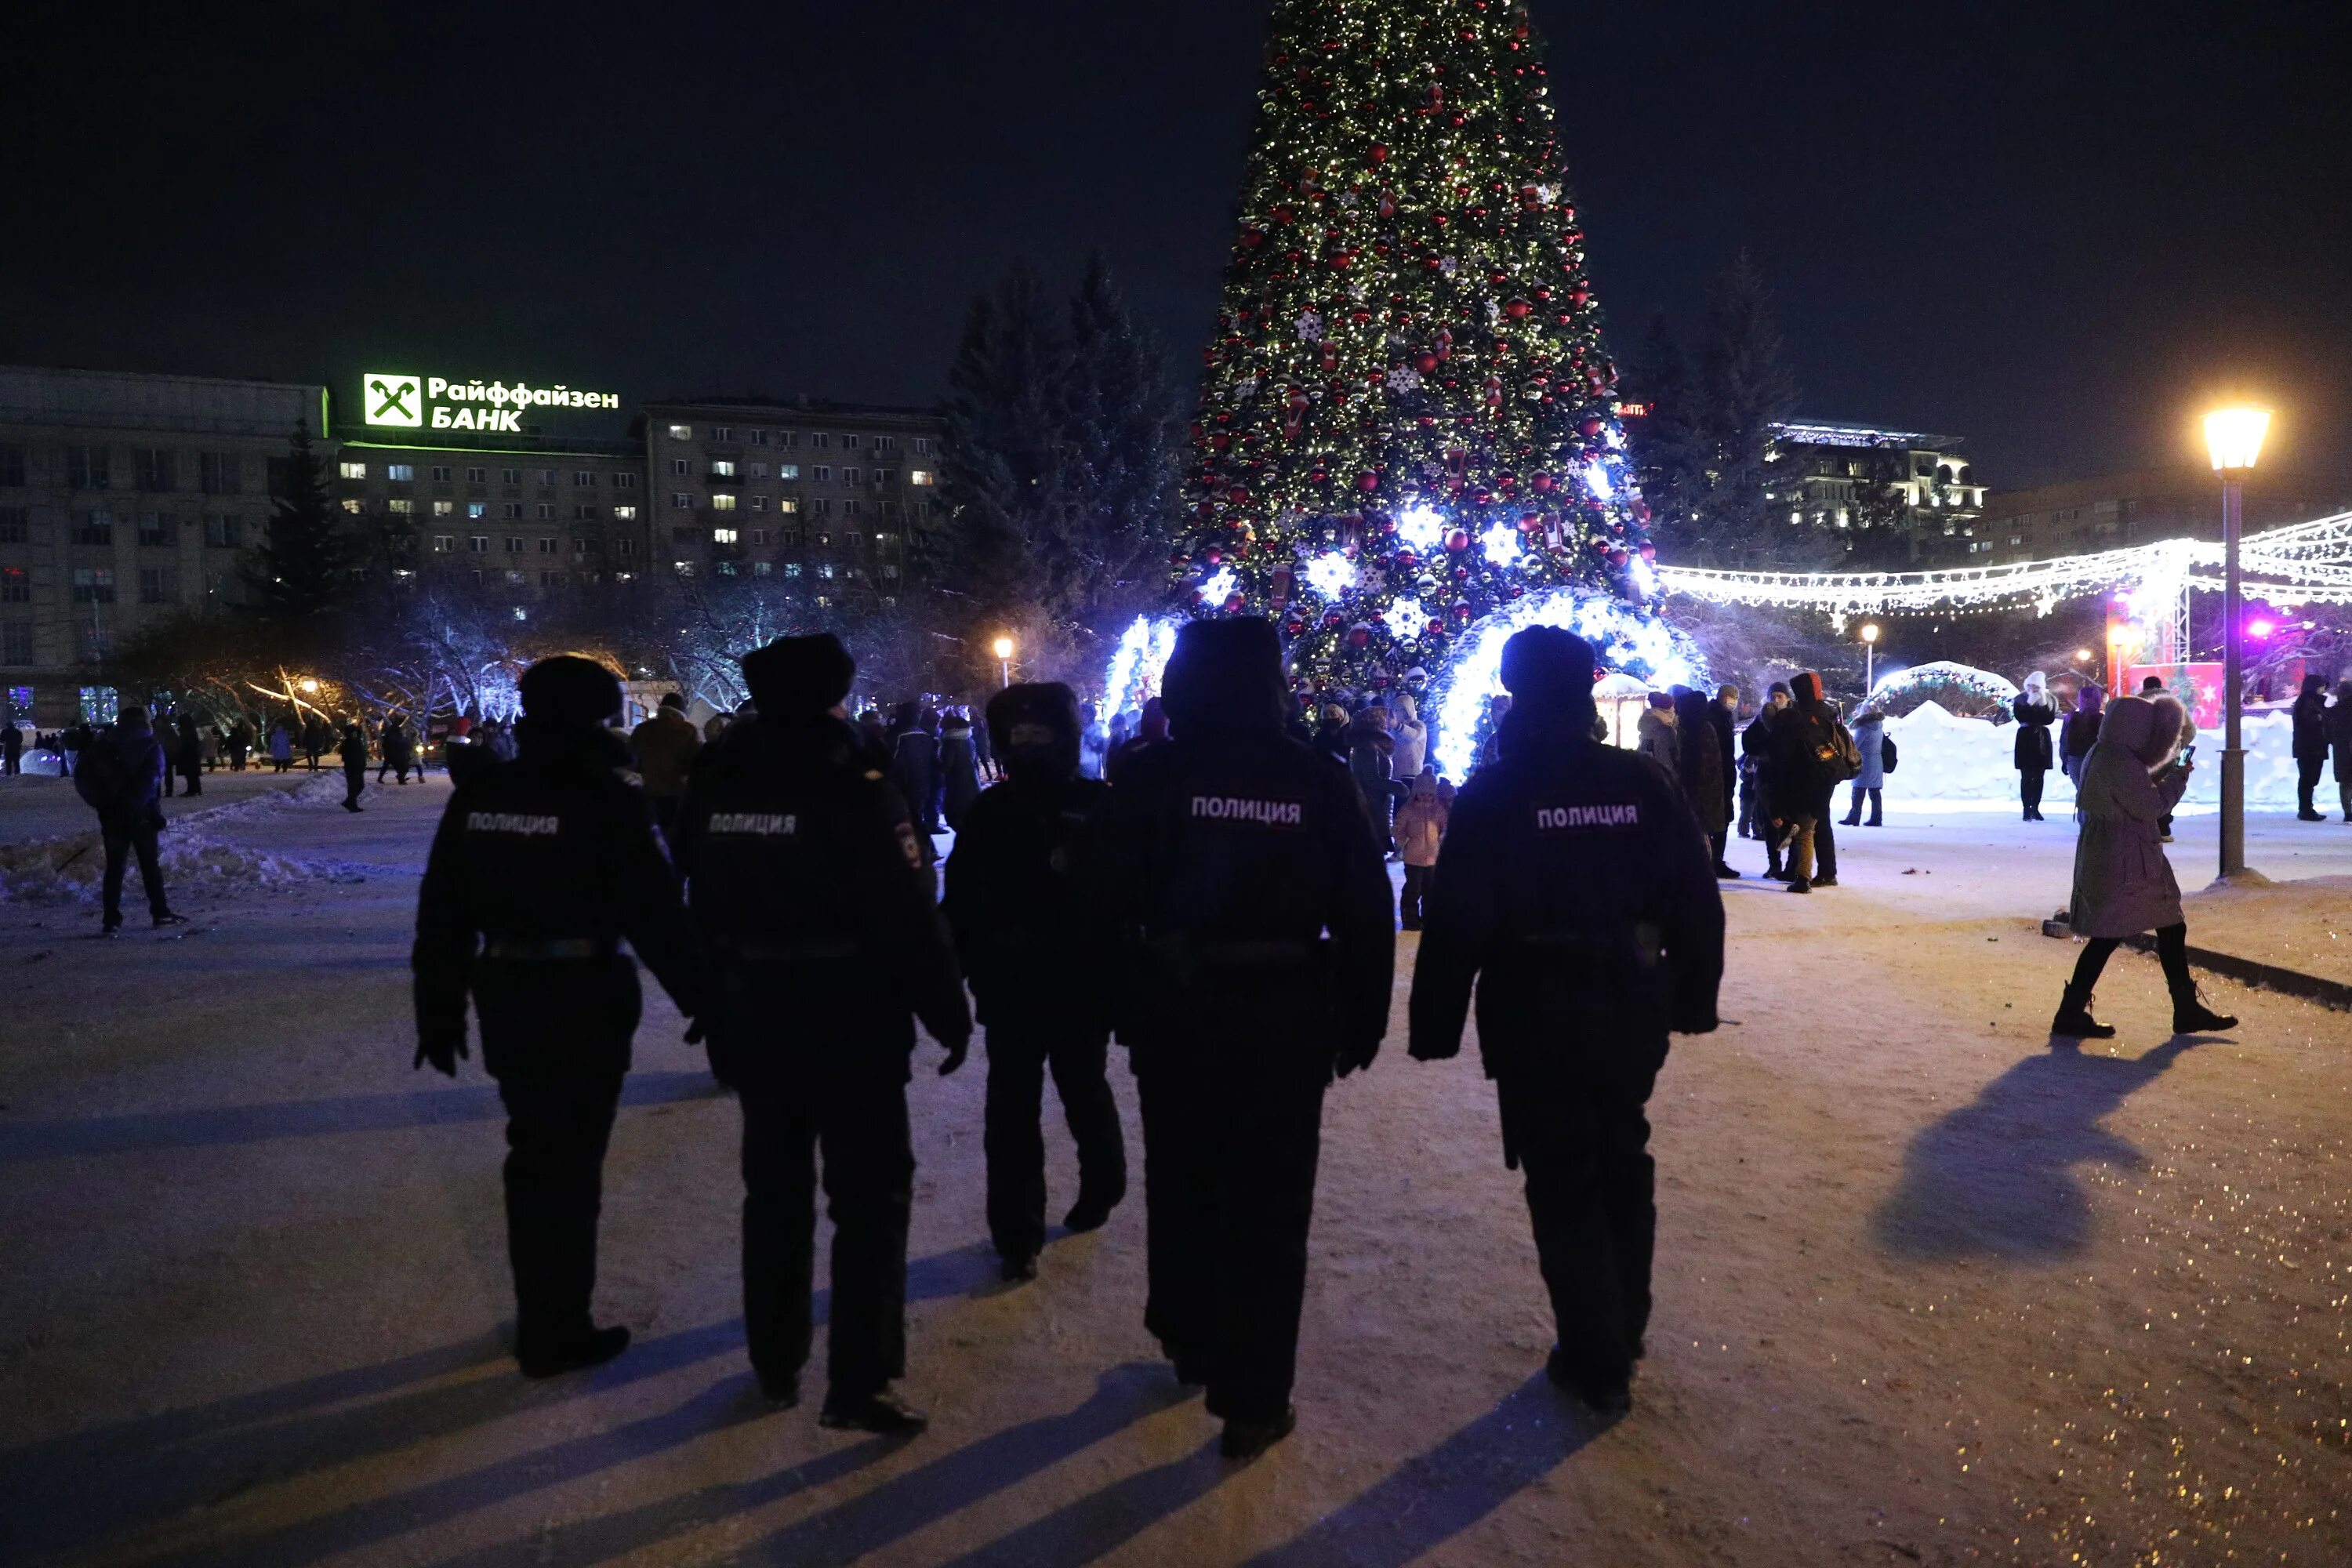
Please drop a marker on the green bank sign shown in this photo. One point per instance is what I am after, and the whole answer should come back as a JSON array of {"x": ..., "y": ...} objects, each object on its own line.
[{"x": 403, "y": 401}]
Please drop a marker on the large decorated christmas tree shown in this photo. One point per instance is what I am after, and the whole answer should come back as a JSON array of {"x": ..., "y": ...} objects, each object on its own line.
[{"x": 1407, "y": 421}]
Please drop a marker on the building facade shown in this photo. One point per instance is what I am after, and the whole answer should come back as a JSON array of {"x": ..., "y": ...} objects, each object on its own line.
[
  {"x": 1886, "y": 497},
  {"x": 2124, "y": 510},
  {"x": 124, "y": 499},
  {"x": 823, "y": 495}
]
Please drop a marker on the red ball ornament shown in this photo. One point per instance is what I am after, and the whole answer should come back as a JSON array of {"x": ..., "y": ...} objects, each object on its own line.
[
  {"x": 1530, "y": 522},
  {"x": 1237, "y": 496},
  {"x": 1213, "y": 555},
  {"x": 1543, "y": 483},
  {"x": 1649, "y": 553},
  {"x": 1360, "y": 635},
  {"x": 1424, "y": 361},
  {"x": 1379, "y": 154},
  {"x": 1579, "y": 295},
  {"x": 1591, "y": 427},
  {"x": 1234, "y": 602},
  {"x": 1367, "y": 481},
  {"x": 1518, "y": 309},
  {"x": 1252, "y": 238},
  {"x": 1334, "y": 619},
  {"x": 1458, "y": 541}
]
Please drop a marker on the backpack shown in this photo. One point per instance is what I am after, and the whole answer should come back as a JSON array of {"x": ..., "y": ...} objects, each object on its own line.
[
  {"x": 1840, "y": 759},
  {"x": 1886, "y": 753},
  {"x": 101, "y": 775}
]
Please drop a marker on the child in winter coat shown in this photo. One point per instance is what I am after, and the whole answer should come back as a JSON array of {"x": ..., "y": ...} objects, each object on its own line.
[{"x": 1420, "y": 828}]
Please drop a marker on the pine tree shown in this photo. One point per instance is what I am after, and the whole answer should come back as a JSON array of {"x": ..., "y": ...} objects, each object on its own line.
[
  {"x": 301, "y": 575},
  {"x": 1407, "y": 419},
  {"x": 1745, "y": 389},
  {"x": 1120, "y": 424},
  {"x": 1669, "y": 452}
]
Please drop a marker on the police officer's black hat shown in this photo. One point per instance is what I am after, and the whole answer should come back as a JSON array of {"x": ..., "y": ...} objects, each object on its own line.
[
  {"x": 798, "y": 677},
  {"x": 1547, "y": 665},
  {"x": 570, "y": 692},
  {"x": 1048, "y": 703},
  {"x": 1226, "y": 674}
]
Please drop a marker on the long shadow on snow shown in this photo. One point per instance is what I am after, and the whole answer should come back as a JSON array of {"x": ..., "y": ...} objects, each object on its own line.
[
  {"x": 64, "y": 1136},
  {"x": 1995, "y": 1178},
  {"x": 1435, "y": 1495},
  {"x": 64, "y": 1494},
  {"x": 897, "y": 1507}
]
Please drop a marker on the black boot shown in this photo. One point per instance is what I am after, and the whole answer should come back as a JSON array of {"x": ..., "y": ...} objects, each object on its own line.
[
  {"x": 2191, "y": 1017},
  {"x": 2075, "y": 1021}
]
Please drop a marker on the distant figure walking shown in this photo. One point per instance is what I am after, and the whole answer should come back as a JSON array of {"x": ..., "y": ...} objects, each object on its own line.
[
  {"x": 398, "y": 745},
  {"x": 354, "y": 753},
  {"x": 2310, "y": 745},
  {"x": 282, "y": 746},
  {"x": 2339, "y": 739},
  {"x": 1870, "y": 740},
  {"x": 665, "y": 746}
]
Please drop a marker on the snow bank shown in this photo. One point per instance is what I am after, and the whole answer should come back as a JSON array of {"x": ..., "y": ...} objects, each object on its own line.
[
  {"x": 69, "y": 870},
  {"x": 1944, "y": 758}
]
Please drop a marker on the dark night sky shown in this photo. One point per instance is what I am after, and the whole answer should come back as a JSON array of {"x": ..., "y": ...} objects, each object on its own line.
[{"x": 2052, "y": 228}]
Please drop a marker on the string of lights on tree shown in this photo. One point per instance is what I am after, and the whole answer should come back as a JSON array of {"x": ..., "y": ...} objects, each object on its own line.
[{"x": 1406, "y": 422}]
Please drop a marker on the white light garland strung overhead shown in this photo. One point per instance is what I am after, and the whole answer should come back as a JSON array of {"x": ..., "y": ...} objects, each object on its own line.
[{"x": 2309, "y": 561}]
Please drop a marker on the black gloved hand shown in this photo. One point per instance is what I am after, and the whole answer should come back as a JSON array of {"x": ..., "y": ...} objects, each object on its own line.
[
  {"x": 695, "y": 1032},
  {"x": 442, "y": 1050},
  {"x": 1358, "y": 1055},
  {"x": 1424, "y": 1049},
  {"x": 956, "y": 1050}
]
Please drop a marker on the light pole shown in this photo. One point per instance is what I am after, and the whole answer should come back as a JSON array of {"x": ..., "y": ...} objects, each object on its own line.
[
  {"x": 2234, "y": 437},
  {"x": 1869, "y": 659},
  {"x": 1002, "y": 648}
]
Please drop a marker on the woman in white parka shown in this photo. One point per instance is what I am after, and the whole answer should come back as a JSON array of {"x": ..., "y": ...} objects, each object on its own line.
[{"x": 2123, "y": 883}]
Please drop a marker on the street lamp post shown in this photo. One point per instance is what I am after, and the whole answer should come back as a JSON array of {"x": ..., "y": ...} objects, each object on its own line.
[
  {"x": 1869, "y": 659},
  {"x": 1002, "y": 648},
  {"x": 2234, "y": 437}
]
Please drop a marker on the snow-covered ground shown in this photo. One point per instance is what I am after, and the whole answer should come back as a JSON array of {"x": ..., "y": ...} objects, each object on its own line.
[{"x": 1930, "y": 1291}]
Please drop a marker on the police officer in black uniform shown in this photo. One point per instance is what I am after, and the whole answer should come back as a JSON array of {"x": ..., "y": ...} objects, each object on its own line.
[
  {"x": 1247, "y": 874},
  {"x": 808, "y": 884},
  {"x": 1578, "y": 890},
  {"x": 541, "y": 866},
  {"x": 1037, "y": 963}
]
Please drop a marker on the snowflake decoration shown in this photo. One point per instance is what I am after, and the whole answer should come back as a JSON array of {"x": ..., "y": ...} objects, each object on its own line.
[
  {"x": 1448, "y": 266},
  {"x": 1545, "y": 193},
  {"x": 1244, "y": 389},
  {"x": 1422, "y": 527},
  {"x": 1494, "y": 310},
  {"x": 1404, "y": 378},
  {"x": 1345, "y": 198},
  {"x": 1501, "y": 544},
  {"x": 1406, "y": 619},
  {"x": 1310, "y": 327},
  {"x": 1330, "y": 573}
]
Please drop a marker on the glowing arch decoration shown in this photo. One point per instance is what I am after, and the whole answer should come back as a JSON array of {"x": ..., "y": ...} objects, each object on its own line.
[
  {"x": 1945, "y": 672},
  {"x": 1133, "y": 678},
  {"x": 1624, "y": 636}
]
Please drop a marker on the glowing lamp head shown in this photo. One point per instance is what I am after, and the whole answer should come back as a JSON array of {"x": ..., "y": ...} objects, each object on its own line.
[
  {"x": 310, "y": 683},
  {"x": 2261, "y": 627},
  {"x": 2234, "y": 436},
  {"x": 2081, "y": 656},
  {"x": 1003, "y": 647},
  {"x": 1870, "y": 633}
]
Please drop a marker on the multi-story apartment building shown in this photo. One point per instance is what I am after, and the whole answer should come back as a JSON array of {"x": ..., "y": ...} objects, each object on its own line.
[
  {"x": 124, "y": 500},
  {"x": 2122, "y": 510},
  {"x": 826, "y": 494},
  {"x": 1887, "y": 496}
]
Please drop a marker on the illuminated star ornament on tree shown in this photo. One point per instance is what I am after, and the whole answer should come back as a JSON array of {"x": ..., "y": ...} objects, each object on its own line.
[{"x": 1407, "y": 422}]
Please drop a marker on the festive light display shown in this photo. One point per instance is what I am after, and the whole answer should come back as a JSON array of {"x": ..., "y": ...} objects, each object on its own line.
[
  {"x": 1945, "y": 672},
  {"x": 1133, "y": 678},
  {"x": 1408, "y": 402},
  {"x": 1626, "y": 636}
]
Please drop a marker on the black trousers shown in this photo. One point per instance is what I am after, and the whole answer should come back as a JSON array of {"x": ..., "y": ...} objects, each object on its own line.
[
  {"x": 122, "y": 839},
  {"x": 556, "y": 1035},
  {"x": 2029, "y": 790},
  {"x": 1589, "y": 1181},
  {"x": 1416, "y": 888},
  {"x": 2171, "y": 952},
  {"x": 1018, "y": 1058},
  {"x": 354, "y": 780},
  {"x": 1824, "y": 835},
  {"x": 859, "y": 1127},
  {"x": 1230, "y": 1144},
  {"x": 2307, "y": 781},
  {"x": 191, "y": 771}
]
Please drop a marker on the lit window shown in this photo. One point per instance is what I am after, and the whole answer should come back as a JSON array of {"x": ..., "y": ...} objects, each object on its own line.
[
  {"x": 722, "y": 502},
  {"x": 353, "y": 470},
  {"x": 825, "y": 570},
  {"x": 401, "y": 473},
  {"x": 684, "y": 568},
  {"x": 444, "y": 508},
  {"x": 625, "y": 513},
  {"x": 517, "y": 579},
  {"x": 791, "y": 568},
  {"x": 763, "y": 568},
  {"x": 788, "y": 470},
  {"x": 477, "y": 509},
  {"x": 681, "y": 432},
  {"x": 352, "y": 505},
  {"x": 722, "y": 536},
  {"x": 401, "y": 506},
  {"x": 788, "y": 505},
  {"x": 722, "y": 467}
]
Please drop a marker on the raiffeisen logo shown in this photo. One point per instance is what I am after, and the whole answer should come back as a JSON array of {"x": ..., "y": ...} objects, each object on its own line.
[
  {"x": 392, "y": 398},
  {"x": 409, "y": 402}
]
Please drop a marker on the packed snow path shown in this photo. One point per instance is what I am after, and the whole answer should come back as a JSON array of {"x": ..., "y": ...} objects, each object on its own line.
[{"x": 1929, "y": 1290}]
